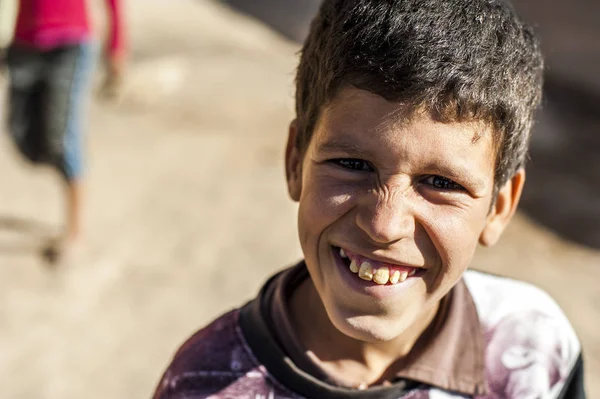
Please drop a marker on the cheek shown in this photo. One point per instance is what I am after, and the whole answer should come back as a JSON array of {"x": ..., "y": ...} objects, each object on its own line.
[
  {"x": 455, "y": 234},
  {"x": 323, "y": 202}
]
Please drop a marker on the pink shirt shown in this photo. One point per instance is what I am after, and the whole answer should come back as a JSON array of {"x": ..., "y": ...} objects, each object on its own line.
[{"x": 46, "y": 24}]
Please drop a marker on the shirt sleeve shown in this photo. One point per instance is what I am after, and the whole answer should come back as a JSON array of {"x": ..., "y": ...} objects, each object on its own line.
[{"x": 116, "y": 45}]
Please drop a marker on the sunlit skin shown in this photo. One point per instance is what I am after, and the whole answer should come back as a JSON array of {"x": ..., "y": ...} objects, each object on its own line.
[{"x": 393, "y": 187}]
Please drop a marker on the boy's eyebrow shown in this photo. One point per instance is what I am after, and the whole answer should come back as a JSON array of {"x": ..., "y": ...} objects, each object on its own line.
[{"x": 334, "y": 145}]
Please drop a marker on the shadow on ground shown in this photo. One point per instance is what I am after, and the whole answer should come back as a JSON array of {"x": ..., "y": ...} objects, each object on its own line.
[
  {"x": 25, "y": 226},
  {"x": 562, "y": 191},
  {"x": 21, "y": 236}
]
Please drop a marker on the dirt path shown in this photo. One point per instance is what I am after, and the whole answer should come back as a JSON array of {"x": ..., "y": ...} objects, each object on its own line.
[{"x": 187, "y": 215}]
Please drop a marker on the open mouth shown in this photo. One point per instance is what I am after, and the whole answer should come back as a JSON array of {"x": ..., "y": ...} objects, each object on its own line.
[{"x": 377, "y": 272}]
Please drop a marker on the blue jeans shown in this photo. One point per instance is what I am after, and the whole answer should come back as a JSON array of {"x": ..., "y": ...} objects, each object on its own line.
[{"x": 48, "y": 90}]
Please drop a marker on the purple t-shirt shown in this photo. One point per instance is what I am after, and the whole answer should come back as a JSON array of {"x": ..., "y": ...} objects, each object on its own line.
[{"x": 531, "y": 351}]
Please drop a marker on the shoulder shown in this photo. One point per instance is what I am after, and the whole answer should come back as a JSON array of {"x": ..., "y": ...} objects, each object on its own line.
[
  {"x": 209, "y": 360},
  {"x": 530, "y": 343},
  {"x": 215, "y": 347},
  {"x": 497, "y": 297}
]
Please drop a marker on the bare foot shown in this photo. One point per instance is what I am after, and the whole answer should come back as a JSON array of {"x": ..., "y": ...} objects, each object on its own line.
[{"x": 63, "y": 251}]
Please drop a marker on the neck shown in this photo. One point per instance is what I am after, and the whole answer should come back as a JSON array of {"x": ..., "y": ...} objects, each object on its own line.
[{"x": 346, "y": 360}]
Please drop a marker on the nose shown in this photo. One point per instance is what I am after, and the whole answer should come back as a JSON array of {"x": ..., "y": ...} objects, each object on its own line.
[{"x": 387, "y": 217}]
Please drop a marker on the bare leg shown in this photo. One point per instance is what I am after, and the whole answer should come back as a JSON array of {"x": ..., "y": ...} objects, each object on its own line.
[
  {"x": 63, "y": 250},
  {"x": 73, "y": 197}
]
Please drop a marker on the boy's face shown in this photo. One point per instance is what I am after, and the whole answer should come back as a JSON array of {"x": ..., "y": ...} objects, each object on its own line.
[{"x": 406, "y": 199}]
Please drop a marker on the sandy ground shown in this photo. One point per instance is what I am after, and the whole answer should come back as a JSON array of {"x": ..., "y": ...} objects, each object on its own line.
[{"x": 187, "y": 214}]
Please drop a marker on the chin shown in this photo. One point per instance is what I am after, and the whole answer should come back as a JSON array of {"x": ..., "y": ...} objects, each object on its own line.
[{"x": 369, "y": 328}]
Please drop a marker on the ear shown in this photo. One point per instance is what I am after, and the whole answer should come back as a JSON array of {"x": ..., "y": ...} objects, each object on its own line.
[
  {"x": 293, "y": 164},
  {"x": 503, "y": 209}
]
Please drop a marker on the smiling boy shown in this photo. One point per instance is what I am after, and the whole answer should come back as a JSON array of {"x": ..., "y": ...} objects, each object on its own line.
[{"x": 407, "y": 151}]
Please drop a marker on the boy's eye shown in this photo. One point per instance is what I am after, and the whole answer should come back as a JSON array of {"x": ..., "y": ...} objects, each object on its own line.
[
  {"x": 353, "y": 164},
  {"x": 442, "y": 183}
]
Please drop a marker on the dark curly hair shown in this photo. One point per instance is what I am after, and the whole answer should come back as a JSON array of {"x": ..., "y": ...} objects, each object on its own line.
[{"x": 461, "y": 60}]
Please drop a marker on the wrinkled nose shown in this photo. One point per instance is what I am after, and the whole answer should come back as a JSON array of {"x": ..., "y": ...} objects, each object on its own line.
[{"x": 386, "y": 219}]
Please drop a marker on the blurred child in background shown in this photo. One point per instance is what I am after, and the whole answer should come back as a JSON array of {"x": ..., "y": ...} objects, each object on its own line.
[{"x": 50, "y": 63}]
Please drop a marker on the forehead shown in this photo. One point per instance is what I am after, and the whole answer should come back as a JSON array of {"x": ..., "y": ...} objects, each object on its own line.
[
  {"x": 353, "y": 106},
  {"x": 362, "y": 117}
]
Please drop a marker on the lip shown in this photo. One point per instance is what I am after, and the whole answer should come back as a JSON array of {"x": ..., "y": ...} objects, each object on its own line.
[{"x": 370, "y": 288}]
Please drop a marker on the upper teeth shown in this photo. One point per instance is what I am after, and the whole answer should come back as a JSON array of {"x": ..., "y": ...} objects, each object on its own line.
[
  {"x": 343, "y": 253},
  {"x": 382, "y": 275},
  {"x": 366, "y": 271},
  {"x": 395, "y": 277},
  {"x": 353, "y": 267}
]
